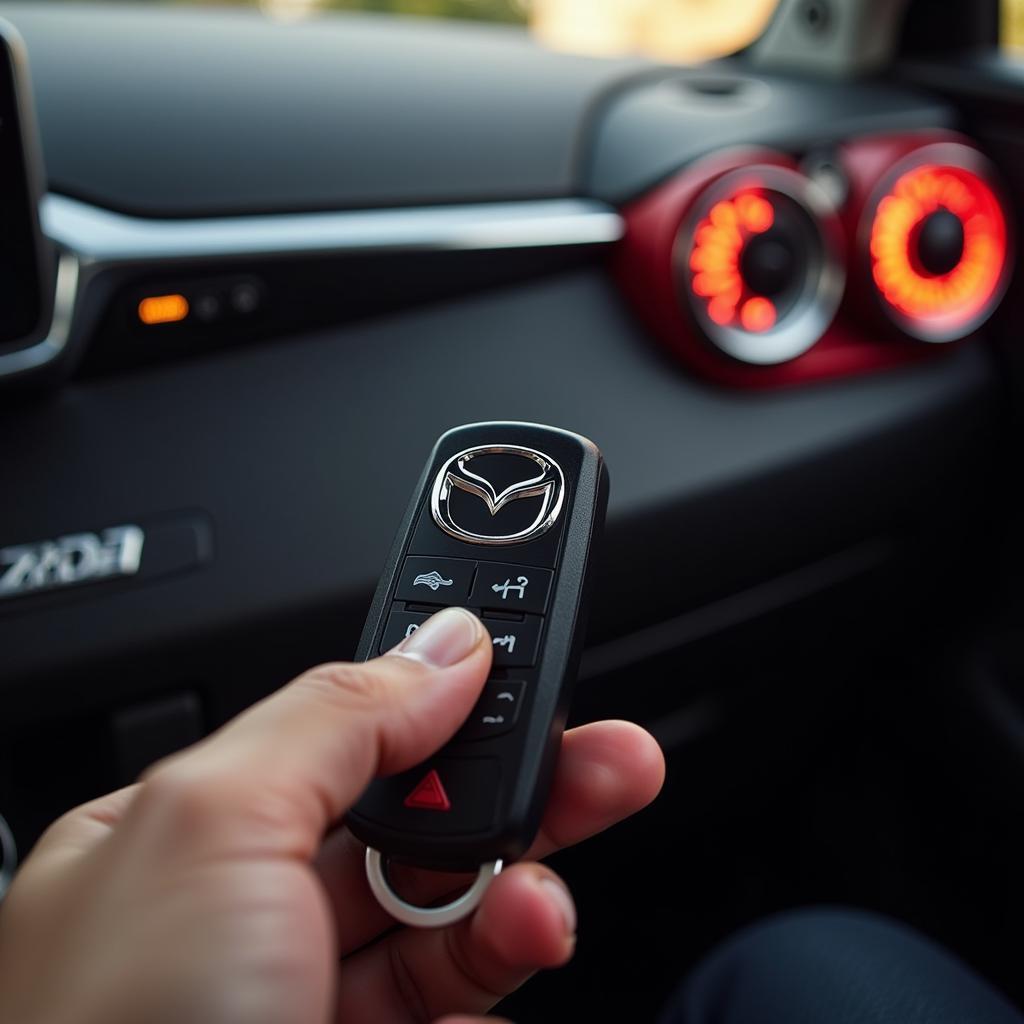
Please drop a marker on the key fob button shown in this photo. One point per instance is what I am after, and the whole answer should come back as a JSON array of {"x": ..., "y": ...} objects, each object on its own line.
[
  {"x": 511, "y": 588},
  {"x": 496, "y": 712},
  {"x": 435, "y": 580},
  {"x": 401, "y": 624},
  {"x": 515, "y": 643},
  {"x": 442, "y": 796}
]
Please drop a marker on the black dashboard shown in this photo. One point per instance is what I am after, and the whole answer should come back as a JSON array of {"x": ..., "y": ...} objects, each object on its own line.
[
  {"x": 417, "y": 255},
  {"x": 250, "y": 115}
]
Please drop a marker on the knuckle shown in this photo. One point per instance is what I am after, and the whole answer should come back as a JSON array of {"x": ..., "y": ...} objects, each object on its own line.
[
  {"x": 348, "y": 684},
  {"x": 467, "y": 968},
  {"x": 174, "y": 791},
  {"x": 219, "y": 808},
  {"x": 53, "y": 836},
  {"x": 59, "y": 826}
]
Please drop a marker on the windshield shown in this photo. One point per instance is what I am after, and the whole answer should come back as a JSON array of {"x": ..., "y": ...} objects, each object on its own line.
[
  {"x": 1013, "y": 24},
  {"x": 673, "y": 30}
]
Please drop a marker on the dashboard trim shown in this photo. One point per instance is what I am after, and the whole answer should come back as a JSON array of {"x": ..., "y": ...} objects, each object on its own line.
[
  {"x": 45, "y": 351},
  {"x": 103, "y": 236},
  {"x": 94, "y": 240}
]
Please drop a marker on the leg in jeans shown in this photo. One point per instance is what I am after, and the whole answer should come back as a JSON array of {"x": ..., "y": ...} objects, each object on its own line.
[{"x": 833, "y": 966}]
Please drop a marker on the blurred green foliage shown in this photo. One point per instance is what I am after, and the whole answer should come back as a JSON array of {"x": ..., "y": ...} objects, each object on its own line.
[{"x": 478, "y": 10}]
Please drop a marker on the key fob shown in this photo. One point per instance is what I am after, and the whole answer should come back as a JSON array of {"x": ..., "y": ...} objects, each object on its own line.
[{"x": 504, "y": 521}]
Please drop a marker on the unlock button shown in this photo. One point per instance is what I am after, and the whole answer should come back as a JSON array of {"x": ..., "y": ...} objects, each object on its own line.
[{"x": 400, "y": 625}]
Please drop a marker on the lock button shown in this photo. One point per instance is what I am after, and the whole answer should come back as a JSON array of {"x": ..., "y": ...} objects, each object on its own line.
[{"x": 435, "y": 580}]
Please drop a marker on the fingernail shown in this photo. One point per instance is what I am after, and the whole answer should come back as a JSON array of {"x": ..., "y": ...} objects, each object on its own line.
[
  {"x": 559, "y": 895},
  {"x": 444, "y": 639}
]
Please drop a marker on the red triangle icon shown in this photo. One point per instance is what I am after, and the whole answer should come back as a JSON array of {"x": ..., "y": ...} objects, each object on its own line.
[{"x": 429, "y": 794}]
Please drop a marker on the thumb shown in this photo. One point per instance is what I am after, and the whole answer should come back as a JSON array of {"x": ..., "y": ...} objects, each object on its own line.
[
  {"x": 473, "y": 1020},
  {"x": 274, "y": 779}
]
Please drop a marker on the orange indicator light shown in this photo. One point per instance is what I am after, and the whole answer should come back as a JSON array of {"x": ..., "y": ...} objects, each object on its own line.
[
  {"x": 163, "y": 309},
  {"x": 956, "y": 298}
]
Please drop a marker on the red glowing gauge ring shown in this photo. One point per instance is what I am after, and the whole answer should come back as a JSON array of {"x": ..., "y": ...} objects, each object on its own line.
[
  {"x": 951, "y": 302},
  {"x": 715, "y": 260},
  {"x": 761, "y": 321}
]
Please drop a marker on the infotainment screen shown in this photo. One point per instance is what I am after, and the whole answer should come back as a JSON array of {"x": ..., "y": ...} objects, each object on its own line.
[{"x": 24, "y": 306}]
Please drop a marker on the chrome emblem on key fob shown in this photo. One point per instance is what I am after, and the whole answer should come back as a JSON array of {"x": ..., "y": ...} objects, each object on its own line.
[{"x": 548, "y": 485}]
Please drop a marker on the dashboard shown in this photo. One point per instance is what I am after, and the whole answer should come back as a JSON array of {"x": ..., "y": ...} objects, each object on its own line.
[{"x": 280, "y": 259}]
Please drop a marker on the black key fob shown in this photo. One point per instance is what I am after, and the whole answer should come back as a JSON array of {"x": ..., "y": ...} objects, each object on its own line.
[{"x": 504, "y": 521}]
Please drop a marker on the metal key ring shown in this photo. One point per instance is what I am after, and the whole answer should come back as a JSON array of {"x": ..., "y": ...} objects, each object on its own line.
[{"x": 426, "y": 917}]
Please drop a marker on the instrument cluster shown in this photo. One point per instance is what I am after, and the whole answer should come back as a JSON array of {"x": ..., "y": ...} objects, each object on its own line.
[{"x": 759, "y": 268}]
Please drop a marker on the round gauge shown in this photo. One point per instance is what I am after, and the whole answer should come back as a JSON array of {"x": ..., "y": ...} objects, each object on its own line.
[
  {"x": 760, "y": 261},
  {"x": 938, "y": 243}
]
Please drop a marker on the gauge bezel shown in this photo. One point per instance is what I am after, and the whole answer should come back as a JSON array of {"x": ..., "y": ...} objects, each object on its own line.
[
  {"x": 819, "y": 298},
  {"x": 936, "y": 330}
]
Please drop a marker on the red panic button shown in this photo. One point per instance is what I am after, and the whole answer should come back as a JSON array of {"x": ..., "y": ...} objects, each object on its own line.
[{"x": 429, "y": 794}]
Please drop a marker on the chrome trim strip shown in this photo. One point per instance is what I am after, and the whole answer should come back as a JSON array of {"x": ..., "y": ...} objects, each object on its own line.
[
  {"x": 92, "y": 239},
  {"x": 42, "y": 352},
  {"x": 102, "y": 236}
]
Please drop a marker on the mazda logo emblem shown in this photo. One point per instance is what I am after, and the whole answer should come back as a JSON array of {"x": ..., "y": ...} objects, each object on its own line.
[{"x": 544, "y": 482}]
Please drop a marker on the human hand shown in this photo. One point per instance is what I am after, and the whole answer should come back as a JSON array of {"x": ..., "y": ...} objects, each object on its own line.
[{"x": 212, "y": 892}]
